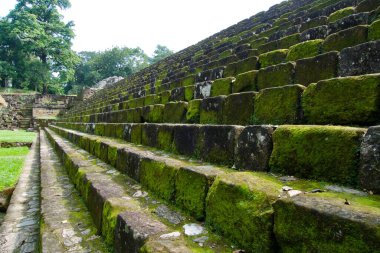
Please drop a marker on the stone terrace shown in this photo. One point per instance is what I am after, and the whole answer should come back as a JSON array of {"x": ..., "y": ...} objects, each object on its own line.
[{"x": 265, "y": 135}]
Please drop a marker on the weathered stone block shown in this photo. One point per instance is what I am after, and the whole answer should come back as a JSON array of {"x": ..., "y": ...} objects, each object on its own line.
[
  {"x": 132, "y": 133},
  {"x": 328, "y": 153},
  {"x": 175, "y": 112},
  {"x": 238, "y": 108},
  {"x": 369, "y": 174},
  {"x": 153, "y": 113},
  {"x": 346, "y": 38},
  {"x": 305, "y": 49},
  {"x": 202, "y": 90},
  {"x": 133, "y": 229},
  {"x": 152, "y": 100},
  {"x": 149, "y": 135},
  {"x": 325, "y": 224},
  {"x": 272, "y": 58},
  {"x": 211, "y": 110},
  {"x": 361, "y": 59},
  {"x": 278, "y": 75},
  {"x": 348, "y": 22},
  {"x": 347, "y": 100},
  {"x": 165, "y": 137},
  {"x": 309, "y": 70},
  {"x": 129, "y": 163},
  {"x": 189, "y": 92},
  {"x": 177, "y": 94},
  {"x": 319, "y": 21},
  {"x": 245, "y": 82},
  {"x": 289, "y": 41},
  {"x": 374, "y": 31},
  {"x": 254, "y": 147},
  {"x": 279, "y": 105},
  {"x": 193, "y": 111},
  {"x": 186, "y": 140},
  {"x": 339, "y": 14},
  {"x": 165, "y": 95},
  {"x": 153, "y": 171},
  {"x": 239, "y": 206},
  {"x": 221, "y": 86},
  {"x": 217, "y": 143},
  {"x": 367, "y": 5},
  {"x": 192, "y": 185},
  {"x": 319, "y": 32},
  {"x": 246, "y": 65}
]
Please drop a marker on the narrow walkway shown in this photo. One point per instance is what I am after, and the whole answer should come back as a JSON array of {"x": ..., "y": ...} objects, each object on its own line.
[
  {"x": 20, "y": 230},
  {"x": 67, "y": 226}
]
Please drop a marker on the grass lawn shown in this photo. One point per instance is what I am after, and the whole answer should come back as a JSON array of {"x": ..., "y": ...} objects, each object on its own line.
[
  {"x": 11, "y": 162},
  {"x": 17, "y": 136}
]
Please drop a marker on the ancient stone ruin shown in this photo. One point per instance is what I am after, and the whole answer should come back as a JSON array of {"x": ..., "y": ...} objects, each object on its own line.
[{"x": 264, "y": 137}]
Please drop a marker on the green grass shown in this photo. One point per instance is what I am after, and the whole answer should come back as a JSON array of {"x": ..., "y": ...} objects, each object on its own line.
[
  {"x": 11, "y": 162},
  {"x": 12, "y": 91},
  {"x": 17, "y": 136}
]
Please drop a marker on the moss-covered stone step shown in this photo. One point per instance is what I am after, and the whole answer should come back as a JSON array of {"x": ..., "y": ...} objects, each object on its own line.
[
  {"x": 129, "y": 219},
  {"x": 66, "y": 224}
]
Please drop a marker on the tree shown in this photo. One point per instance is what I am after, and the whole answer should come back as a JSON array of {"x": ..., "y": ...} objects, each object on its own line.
[
  {"x": 160, "y": 53},
  {"x": 36, "y": 38}
]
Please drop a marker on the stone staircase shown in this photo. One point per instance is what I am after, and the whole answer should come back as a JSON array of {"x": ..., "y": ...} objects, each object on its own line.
[{"x": 261, "y": 138}]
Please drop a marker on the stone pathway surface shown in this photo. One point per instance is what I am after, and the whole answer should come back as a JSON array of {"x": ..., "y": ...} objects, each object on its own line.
[
  {"x": 20, "y": 229},
  {"x": 66, "y": 223}
]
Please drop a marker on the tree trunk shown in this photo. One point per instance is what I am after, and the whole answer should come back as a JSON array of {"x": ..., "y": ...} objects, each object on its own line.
[{"x": 45, "y": 84}]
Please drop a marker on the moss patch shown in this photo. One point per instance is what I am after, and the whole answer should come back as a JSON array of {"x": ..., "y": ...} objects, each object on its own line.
[
  {"x": 246, "y": 65},
  {"x": 288, "y": 41},
  {"x": 374, "y": 31},
  {"x": 189, "y": 92},
  {"x": 211, "y": 110},
  {"x": 221, "y": 86},
  {"x": 239, "y": 207},
  {"x": 193, "y": 112},
  {"x": 339, "y": 14},
  {"x": 238, "y": 108},
  {"x": 346, "y": 38},
  {"x": 304, "y": 50},
  {"x": 175, "y": 112},
  {"x": 245, "y": 82},
  {"x": 274, "y": 76},
  {"x": 159, "y": 178},
  {"x": 348, "y": 100},
  {"x": 317, "y": 152},
  {"x": 279, "y": 105},
  {"x": 272, "y": 58}
]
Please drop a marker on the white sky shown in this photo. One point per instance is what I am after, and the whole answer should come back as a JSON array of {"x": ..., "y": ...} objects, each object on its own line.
[{"x": 100, "y": 25}]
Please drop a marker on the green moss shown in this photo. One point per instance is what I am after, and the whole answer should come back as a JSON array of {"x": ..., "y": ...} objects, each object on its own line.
[
  {"x": 246, "y": 65},
  {"x": 193, "y": 112},
  {"x": 348, "y": 100},
  {"x": 274, "y": 76},
  {"x": 346, "y": 38},
  {"x": 152, "y": 100},
  {"x": 267, "y": 47},
  {"x": 137, "y": 102},
  {"x": 159, "y": 178},
  {"x": 189, "y": 92},
  {"x": 165, "y": 96},
  {"x": 339, "y": 14},
  {"x": 374, "y": 31},
  {"x": 175, "y": 112},
  {"x": 112, "y": 155},
  {"x": 256, "y": 43},
  {"x": 317, "y": 152},
  {"x": 165, "y": 138},
  {"x": 153, "y": 113},
  {"x": 288, "y": 41},
  {"x": 221, "y": 86},
  {"x": 112, "y": 208},
  {"x": 279, "y": 105},
  {"x": 225, "y": 54},
  {"x": 211, "y": 110},
  {"x": 230, "y": 70},
  {"x": 136, "y": 130},
  {"x": 305, "y": 50},
  {"x": 82, "y": 184},
  {"x": 189, "y": 80},
  {"x": 272, "y": 58},
  {"x": 238, "y": 108},
  {"x": 245, "y": 82},
  {"x": 239, "y": 207}
]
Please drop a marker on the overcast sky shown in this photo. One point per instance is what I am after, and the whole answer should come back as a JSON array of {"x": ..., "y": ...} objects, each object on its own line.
[{"x": 100, "y": 25}]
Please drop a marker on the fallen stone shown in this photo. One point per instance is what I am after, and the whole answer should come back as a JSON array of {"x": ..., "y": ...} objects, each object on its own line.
[{"x": 193, "y": 229}]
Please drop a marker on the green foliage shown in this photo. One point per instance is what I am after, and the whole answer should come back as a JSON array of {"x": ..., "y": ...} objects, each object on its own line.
[
  {"x": 160, "y": 53},
  {"x": 35, "y": 46}
]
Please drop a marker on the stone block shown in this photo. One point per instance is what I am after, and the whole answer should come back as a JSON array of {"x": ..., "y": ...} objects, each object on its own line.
[
  {"x": 278, "y": 75},
  {"x": 153, "y": 171},
  {"x": 325, "y": 224},
  {"x": 165, "y": 137},
  {"x": 202, "y": 90},
  {"x": 361, "y": 59},
  {"x": 279, "y": 105},
  {"x": 133, "y": 229},
  {"x": 254, "y": 147},
  {"x": 165, "y": 95},
  {"x": 211, "y": 110},
  {"x": 319, "y": 21},
  {"x": 132, "y": 133},
  {"x": 305, "y": 49},
  {"x": 319, "y": 32},
  {"x": 189, "y": 92},
  {"x": 194, "y": 111},
  {"x": 153, "y": 113},
  {"x": 177, "y": 94},
  {"x": 217, "y": 143},
  {"x": 289, "y": 41},
  {"x": 347, "y": 100},
  {"x": 221, "y": 86},
  {"x": 175, "y": 112},
  {"x": 239, "y": 206},
  {"x": 267, "y": 47},
  {"x": 186, "y": 140},
  {"x": 369, "y": 174},
  {"x": 346, "y": 38},
  {"x": 326, "y": 153},
  {"x": 192, "y": 185},
  {"x": 272, "y": 58},
  {"x": 238, "y": 108},
  {"x": 245, "y": 82},
  {"x": 310, "y": 70},
  {"x": 129, "y": 163},
  {"x": 339, "y": 14},
  {"x": 149, "y": 135},
  {"x": 152, "y": 100},
  {"x": 367, "y": 5},
  {"x": 246, "y": 65},
  {"x": 348, "y": 22}
]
